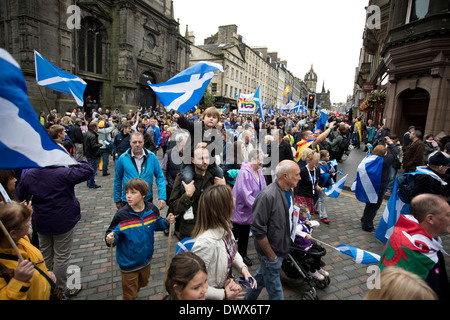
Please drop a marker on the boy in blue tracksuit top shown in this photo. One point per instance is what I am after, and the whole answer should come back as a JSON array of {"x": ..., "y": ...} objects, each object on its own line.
[{"x": 132, "y": 232}]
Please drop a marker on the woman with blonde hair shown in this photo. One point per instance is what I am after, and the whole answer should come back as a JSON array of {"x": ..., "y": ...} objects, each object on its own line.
[
  {"x": 400, "y": 284},
  {"x": 215, "y": 243}
]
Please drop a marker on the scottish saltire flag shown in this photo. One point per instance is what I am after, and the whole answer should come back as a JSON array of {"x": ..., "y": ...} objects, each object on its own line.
[
  {"x": 360, "y": 256},
  {"x": 333, "y": 163},
  {"x": 335, "y": 190},
  {"x": 54, "y": 78},
  {"x": 396, "y": 207},
  {"x": 257, "y": 98},
  {"x": 321, "y": 122},
  {"x": 184, "y": 245},
  {"x": 24, "y": 143},
  {"x": 186, "y": 89},
  {"x": 368, "y": 179},
  {"x": 296, "y": 108}
]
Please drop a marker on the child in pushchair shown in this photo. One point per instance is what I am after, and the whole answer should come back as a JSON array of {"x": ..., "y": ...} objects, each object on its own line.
[{"x": 310, "y": 251}]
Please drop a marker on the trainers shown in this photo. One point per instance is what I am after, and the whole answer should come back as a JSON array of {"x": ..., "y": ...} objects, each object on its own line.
[
  {"x": 317, "y": 275},
  {"x": 325, "y": 220},
  {"x": 324, "y": 273}
]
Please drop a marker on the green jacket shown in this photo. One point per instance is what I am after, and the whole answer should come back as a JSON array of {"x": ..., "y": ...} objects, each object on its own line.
[{"x": 179, "y": 203}]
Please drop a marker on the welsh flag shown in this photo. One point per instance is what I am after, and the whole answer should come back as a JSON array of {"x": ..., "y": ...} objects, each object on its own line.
[{"x": 410, "y": 247}]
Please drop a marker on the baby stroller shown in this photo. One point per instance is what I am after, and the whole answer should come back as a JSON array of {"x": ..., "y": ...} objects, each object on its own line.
[{"x": 296, "y": 266}]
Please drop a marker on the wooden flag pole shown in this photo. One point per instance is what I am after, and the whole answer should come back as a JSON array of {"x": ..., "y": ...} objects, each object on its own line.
[
  {"x": 112, "y": 273},
  {"x": 11, "y": 241},
  {"x": 167, "y": 258}
]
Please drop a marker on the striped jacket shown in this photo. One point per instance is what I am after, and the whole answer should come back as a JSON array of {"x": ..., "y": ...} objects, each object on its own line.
[{"x": 135, "y": 236}]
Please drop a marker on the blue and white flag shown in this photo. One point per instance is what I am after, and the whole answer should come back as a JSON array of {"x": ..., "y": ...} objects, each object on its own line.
[
  {"x": 335, "y": 190},
  {"x": 184, "y": 245},
  {"x": 186, "y": 89},
  {"x": 334, "y": 163},
  {"x": 24, "y": 143},
  {"x": 395, "y": 206},
  {"x": 257, "y": 98},
  {"x": 322, "y": 121},
  {"x": 368, "y": 179},
  {"x": 52, "y": 77},
  {"x": 360, "y": 256}
]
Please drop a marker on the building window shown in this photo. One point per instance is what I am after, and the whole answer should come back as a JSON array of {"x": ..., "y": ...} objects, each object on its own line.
[
  {"x": 150, "y": 41},
  {"x": 90, "y": 46},
  {"x": 417, "y": 9},
  {"x": 214, "y": 87}
]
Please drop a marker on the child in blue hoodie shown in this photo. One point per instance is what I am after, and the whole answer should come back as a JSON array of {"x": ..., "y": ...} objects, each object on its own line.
[{"x": 132, "y": 232}]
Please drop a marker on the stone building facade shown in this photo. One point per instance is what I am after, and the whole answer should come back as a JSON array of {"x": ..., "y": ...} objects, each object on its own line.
[
  {"x": 116, "y": 48},
  {"x": 408, "y": 56}
]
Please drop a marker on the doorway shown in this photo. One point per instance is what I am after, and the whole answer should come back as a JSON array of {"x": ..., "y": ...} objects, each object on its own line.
[
  {"x": 414, "y": 109},
  {"x": 147, "y": 98}
]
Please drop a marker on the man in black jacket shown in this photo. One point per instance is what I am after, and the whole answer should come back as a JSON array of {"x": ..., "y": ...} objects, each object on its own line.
[
  {"x": 92, "y": 151},
  {"x": 76, "y": 135}
]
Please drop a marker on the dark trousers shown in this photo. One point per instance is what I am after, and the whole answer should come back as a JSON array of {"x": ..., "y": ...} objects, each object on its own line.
[
  {"x": 241, "y": 234},
  {"x": 94, "y": 163},
  {"x": 370, "y": 211}
]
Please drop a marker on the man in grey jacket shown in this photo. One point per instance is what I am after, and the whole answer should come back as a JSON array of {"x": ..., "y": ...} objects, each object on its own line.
[{"x": 272, "y": 228}]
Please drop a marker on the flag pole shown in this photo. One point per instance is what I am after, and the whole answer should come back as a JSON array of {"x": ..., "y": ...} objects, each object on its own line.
[
  {"x": 39, "y": 87},
  {"x": 112, "y": 273},
  {"x": 329, "y": 245},
  {"x": 167, "y": 258},
  {"x": 11, "y": 241}
]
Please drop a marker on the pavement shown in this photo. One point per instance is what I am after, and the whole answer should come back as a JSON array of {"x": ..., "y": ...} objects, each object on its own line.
[{"x": 349, "y": 280}]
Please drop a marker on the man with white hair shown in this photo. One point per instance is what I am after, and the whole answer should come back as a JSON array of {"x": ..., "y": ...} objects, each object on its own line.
[{"x": 272, "y": 227}]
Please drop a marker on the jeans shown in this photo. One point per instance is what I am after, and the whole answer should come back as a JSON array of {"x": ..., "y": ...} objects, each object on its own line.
[
  {"x": 267, "y": 275},
  {"x": 94, "y": 163},
  {"x": 392, "y": 176}
]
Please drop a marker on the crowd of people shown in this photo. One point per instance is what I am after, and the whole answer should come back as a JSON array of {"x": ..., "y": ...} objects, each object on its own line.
[{"x": 215, "y": 196}]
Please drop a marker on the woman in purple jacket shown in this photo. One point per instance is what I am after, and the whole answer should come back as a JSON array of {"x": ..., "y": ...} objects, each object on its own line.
[
  {"x": 249, "y": 182},
  {"x": 56, "y": 212}
]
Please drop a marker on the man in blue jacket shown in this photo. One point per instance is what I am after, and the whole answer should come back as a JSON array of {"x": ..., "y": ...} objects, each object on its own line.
[{"x": 138, "y": 162}]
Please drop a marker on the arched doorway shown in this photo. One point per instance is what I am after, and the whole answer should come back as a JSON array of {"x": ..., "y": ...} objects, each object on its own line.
[
  {"x": 147, "y": 98},
  {"x": 414, "y": 109}
]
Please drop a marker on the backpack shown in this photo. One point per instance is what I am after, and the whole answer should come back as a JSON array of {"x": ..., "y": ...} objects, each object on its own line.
[
  {"x": 344, "y": 144},
  {"x": 405, "y": 186}
]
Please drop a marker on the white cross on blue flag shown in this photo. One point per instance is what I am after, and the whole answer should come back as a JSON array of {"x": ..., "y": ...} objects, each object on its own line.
[
  {"x": 368, "y": 179},
  {"x": 184, "y": 245},
  {"x": 360, "y": 256},
  {"x": 54, "y": 78},
  {"x": 24, "y": 143},
  {"x": 186, "y": 89},
  {"x": 335, "y": 190}
]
